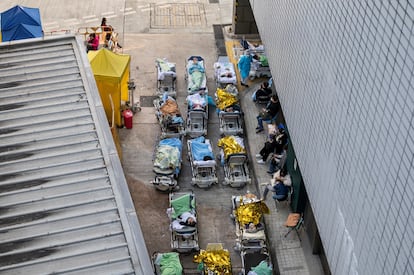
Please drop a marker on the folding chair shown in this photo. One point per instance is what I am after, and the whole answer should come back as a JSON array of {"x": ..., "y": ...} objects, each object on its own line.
[{"x": 294, "y": 222}]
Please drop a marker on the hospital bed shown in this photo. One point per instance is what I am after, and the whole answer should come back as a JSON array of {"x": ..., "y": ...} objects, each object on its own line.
[
  {"x": 169, "y": 116},
  {"x": 247, "y": 212},
  {"x": 195, "y": 75},
  {"x": 229, "y": 110},
  {"x": 259, "y": 68},
  {"x": 167, "y": 263},
  {"x": 167, "y": 163},
  {"x": 197, "y": 115},
  {"x": 256, "y": 260},
  {"x": 183, "y": 238},
  {"x": 166, "y": 77},
  {"x": 224, "y": 72},
  {"x": 235, "y": 161},
  {"x": 202, "y": 161},
  {"x": 214, "y": 260}
]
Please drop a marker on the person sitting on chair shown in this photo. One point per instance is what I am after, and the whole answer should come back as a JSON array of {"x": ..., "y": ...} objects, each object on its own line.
[
  {"x": 276, "y": 140},
  {"x": 263, "y": 94},
  {"x": 271, "y": 110},
  {"x": 268, "y": 148},
  {"x": 278, "y": 160},
  {"x": 279, "y": 185}
]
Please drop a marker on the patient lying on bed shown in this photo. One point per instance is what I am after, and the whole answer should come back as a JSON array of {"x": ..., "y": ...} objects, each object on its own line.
[
  {"x": 197, "y": 75},
  {"x": 185, "y": 219},
  {"x": 195, "y": 66}
]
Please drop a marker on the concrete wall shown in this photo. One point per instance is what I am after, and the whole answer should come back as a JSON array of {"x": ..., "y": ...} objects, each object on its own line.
[
  {"x": 344, "y": 74},
  {"x": 243, "y": 18}
]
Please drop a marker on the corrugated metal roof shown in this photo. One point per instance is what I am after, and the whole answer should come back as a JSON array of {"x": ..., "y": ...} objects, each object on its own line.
[{"x": 64, "y": 201}]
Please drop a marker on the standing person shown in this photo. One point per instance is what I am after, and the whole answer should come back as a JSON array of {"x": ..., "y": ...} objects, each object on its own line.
[
  {"x": 93, "y": 42},
  {"x": 105, "y": 26},
  {"x": 244, "y": 64},
  {"x": 109, "y": 32},
  {"x": 271, "y": 110}
]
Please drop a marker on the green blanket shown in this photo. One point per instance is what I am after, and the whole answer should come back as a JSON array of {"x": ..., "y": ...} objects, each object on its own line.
[
  {"x": 197, "y": 78},
  {"x": 164, "y": 65},
  {"x": 170, "y": 264},
  {"x": 262, "y": 269},
  {"x": 182, "y": 204}
]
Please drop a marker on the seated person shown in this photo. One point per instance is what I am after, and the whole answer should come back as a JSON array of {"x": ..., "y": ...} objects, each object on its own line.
[
  {"x": 263, "y": 94},
  {"x": 195, "y": 66},
  {"x": 279, "y": 184},
  {"x": 278, "y": 160},
  {"x": 271, "y": 110},
  {"x": 268, "y": 148}
]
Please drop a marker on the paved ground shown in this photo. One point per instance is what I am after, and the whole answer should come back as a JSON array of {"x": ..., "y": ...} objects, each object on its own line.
[
  {"x": 175, "y": 30},
  {"x": 214, "y": 205}
]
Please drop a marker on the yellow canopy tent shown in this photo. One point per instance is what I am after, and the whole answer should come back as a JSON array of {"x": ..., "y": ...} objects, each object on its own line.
[{"x": 111, "y": 73}]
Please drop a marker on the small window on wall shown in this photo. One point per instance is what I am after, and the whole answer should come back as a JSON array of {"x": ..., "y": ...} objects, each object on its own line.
[{"x": 295, "y": 164}]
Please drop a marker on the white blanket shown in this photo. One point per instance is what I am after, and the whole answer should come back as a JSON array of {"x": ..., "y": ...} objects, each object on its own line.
[{"x": 225, "y": 73}]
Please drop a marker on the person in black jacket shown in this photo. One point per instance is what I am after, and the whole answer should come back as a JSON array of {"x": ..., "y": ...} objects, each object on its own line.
[
  {"x": 274, "y": 144},
  {"x": 263, "y": 94},
  {"x": 268, "y": 113}
]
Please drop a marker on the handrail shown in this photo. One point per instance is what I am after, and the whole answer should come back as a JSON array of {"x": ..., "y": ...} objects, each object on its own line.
[{"x": 85, "y": 31}]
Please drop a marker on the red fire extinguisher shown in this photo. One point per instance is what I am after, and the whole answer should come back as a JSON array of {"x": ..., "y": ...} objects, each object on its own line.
[{"x": 128, "y": 115}]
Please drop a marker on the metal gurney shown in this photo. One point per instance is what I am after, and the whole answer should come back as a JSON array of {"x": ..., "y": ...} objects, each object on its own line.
[
  {"x": 224, "y": 72},
  {"x": 166, "y": 77},
  {"x": 203, "y": 163},
  {"x": 195, "y": 75},
  {"x": 169, "y": 116},
  {"x": 214, "y": 260},
  {"x": 184, "y": 233},
  {"x": 167, "y": 263},
  {"x": 229, "y": 111},
  {"x": 197, "y": 114},
  {"x": 167, "y": 163},
  {"x": 247, "y": 211},
  {"x": 235, "y": 161}
]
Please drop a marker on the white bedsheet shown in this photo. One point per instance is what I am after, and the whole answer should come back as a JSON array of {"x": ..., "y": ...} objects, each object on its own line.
[
  {"x": 165, "y": 69},
  {"x": 225, "y": 73}
]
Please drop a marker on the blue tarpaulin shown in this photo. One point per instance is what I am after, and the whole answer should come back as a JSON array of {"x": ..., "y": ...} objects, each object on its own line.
[{"x": 20, "y": 23}]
